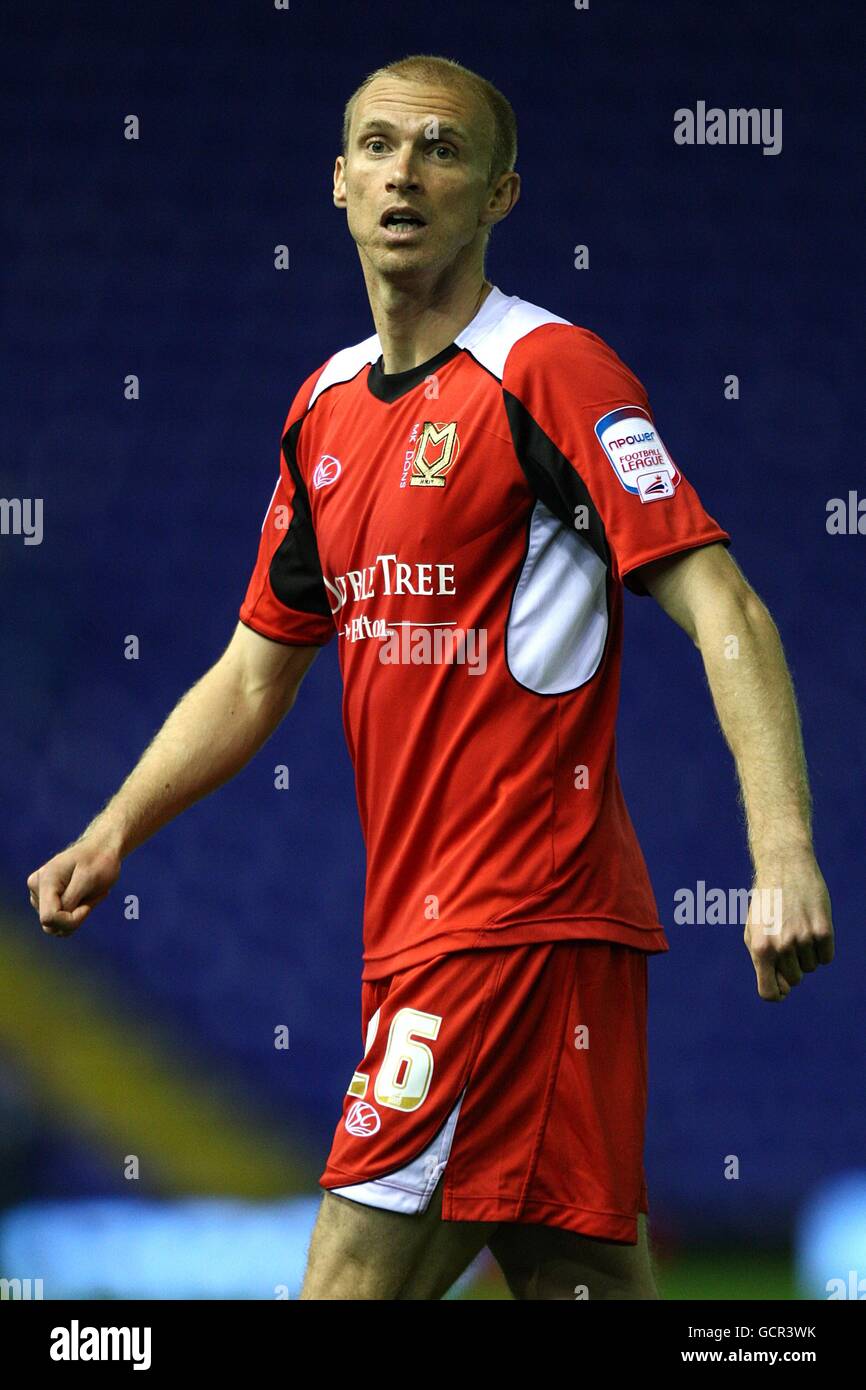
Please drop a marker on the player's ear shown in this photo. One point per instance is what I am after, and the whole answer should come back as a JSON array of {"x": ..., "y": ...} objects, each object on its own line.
[
  {"x": 502, "y": 198},
  {"x": 340, "y": 182}
]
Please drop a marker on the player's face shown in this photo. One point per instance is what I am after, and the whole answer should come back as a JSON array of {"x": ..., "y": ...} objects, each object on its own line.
[{"x": 423, "y": 152}]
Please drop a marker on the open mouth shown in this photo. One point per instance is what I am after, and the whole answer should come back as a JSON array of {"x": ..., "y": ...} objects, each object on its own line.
[{"x": 402, "y": 222}]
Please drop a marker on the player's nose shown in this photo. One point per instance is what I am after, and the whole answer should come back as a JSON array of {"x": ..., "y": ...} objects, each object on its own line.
[{"x": 404, "y": 171}]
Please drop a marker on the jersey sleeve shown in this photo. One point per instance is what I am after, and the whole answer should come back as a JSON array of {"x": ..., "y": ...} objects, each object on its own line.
[
  {"x": 582, "y": 422},
  {"x": 286, "y": 598}
]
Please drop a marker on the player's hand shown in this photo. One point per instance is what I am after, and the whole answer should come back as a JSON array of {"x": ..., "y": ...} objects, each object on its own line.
[
  {"x": 789, "y": 929},
  {"x": 67, "y": 888}
]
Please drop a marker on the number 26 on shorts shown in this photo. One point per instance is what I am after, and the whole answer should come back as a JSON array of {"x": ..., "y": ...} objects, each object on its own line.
[{"x": 403, "y": 1079}]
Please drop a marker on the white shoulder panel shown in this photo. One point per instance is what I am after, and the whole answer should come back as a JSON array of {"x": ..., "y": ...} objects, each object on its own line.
[
  {"x": 347, "y": 363},
  {"x": 501, "y": 321}
]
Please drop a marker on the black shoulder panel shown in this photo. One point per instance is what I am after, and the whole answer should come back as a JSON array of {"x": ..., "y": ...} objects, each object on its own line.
[
  {"x": 296, "y": 571},
  {"x": 552, "y": 479}
]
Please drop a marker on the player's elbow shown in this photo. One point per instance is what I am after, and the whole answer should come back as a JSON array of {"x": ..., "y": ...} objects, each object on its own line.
[{"x": 731, "y": 613}]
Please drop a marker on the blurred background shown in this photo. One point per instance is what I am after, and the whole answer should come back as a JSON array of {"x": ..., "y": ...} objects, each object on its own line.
[{"x": 171, "y": 1076}]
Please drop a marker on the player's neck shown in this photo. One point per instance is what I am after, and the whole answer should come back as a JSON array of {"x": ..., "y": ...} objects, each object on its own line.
[{"x": 415, "y": 321}]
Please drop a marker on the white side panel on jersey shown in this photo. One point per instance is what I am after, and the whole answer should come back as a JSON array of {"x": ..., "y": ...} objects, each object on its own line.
[
  {"x": 498, "y": 325},
  {"x": 409, "y": 1189},
  {"x": 347, "y": 363},
  {"x": 558, "y": 621}
]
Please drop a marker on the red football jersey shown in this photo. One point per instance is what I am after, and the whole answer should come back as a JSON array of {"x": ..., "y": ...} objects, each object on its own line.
[{"x": 466, "y": 528}]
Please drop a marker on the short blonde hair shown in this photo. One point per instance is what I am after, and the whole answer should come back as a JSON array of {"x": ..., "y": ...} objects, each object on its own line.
[{"x": 426, "y": 67}]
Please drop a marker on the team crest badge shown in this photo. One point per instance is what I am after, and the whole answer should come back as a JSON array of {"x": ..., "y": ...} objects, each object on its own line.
[{"x": 436, "y": 451}]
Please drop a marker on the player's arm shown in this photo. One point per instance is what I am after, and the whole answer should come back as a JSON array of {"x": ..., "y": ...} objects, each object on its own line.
[
  {"x": 212, "y": 732},
  {"x": 705, "y": 592}
]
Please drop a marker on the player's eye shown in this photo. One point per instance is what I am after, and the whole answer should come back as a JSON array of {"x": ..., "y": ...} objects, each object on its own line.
[
  {"x": 374, "y": 140},
  {"x": 449, "y": 152}
]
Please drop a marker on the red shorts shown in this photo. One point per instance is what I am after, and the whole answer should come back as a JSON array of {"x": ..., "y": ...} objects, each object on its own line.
[{"x": 520, "y": 1072}]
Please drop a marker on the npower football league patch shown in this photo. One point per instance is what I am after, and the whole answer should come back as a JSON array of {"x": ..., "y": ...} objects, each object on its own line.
[{"x": 636, "y": 453}]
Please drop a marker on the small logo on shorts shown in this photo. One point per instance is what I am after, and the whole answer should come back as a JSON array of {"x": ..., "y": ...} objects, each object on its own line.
[{"x": 362, "y": 1120}]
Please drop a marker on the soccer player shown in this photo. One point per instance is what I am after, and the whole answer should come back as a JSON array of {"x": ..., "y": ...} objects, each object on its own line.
[{"x": 461, "y": 499}]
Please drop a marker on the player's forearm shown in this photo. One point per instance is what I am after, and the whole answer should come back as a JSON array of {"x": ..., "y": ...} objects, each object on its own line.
[
  {"x": 209, "y": 736},
  {"x": 754, "y": 699}
]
